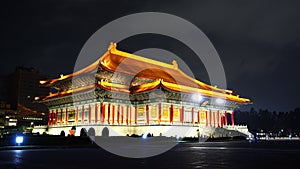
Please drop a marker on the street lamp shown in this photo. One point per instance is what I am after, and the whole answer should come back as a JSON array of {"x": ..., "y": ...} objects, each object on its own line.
[{"x": 19, "y": 140}]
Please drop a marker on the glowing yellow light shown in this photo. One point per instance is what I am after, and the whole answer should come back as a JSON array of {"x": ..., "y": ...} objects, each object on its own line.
[{"x": 43, "y": 82}]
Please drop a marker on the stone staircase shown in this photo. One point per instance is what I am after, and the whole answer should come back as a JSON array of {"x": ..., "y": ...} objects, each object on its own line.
[{"x": 226, "y": 131}]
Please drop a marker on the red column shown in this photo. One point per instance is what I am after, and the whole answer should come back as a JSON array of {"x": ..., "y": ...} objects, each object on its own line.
[
  {"x": 61, "y": 116},
  {"x": 113, "y": 114},
  {"x": 171, "y": 113},
  {"x": 90, "y": 113},
  {"x": 198, "y": 117},
  {"x": 218, "y": 118},
  {"x": 226, "y": 121},
  {"x": 210, "y": 115},
  {"x": 206, "y": 119},
  {"x": 76, "y": 115},
  {"x": 49, "y": 118},
  {"x": 182, "y": 114},
  {"x": 232, "y": 118},
  {"x": 159, "y": 112},
  {"x": 122, "y": 114},
  {"x": 127, "y": 114},
  {"x": 130, "y": 115},
  {"x": 135, "y": 115},
  {"x": 66, "y": 116},
  {"x": 56, "y": 115},
  {"x": 147, "y": 114},
  {"x": 82, "y": 114},
  {"x": 118, "y": 114},
  {"x": 222, "y": 121},
  {"x": 108, "y": 113},
  {"x": 52, "y": 117},
  {"x": 214, "y": 118},
  {"x": 193, "y": 115},
  {"x": 96, "y": 113},
  {"x": 102, "y": 112}
]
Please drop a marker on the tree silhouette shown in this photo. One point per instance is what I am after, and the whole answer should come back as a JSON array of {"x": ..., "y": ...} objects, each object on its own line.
[{"x": 270, "y": 121}]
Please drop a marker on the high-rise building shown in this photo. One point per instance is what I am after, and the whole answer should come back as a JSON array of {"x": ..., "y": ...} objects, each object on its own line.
[{"x": 19, "y": 89}]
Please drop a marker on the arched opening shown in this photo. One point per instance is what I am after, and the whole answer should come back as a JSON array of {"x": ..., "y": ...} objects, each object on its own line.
[
  {"x": 105, "y": 132},
  {"x": 83, "y": 132},
  {"x": 62, "y": 133},
  {"x": 91, "y": 132}
]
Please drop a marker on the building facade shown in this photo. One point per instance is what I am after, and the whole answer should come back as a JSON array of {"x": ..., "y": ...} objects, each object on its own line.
[
  {"x": 128, "y": 94},
  {"x": 8, "y": 116},
  {"x": 18, "y": 91}
]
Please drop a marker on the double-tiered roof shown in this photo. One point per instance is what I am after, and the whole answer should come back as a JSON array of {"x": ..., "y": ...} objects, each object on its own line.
[{"x": 155, "y": 74}]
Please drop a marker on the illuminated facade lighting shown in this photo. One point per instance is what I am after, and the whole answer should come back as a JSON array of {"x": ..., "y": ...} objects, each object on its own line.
[
  {"x": 186, "y": 102},
  {"x": 220, "y": 101}
]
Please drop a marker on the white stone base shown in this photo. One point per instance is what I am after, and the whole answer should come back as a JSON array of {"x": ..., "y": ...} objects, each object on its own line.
[{"x": 156, "y": 130}]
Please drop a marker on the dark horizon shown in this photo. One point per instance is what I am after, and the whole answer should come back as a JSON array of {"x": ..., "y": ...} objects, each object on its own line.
[{"x": 258, "y": 42}]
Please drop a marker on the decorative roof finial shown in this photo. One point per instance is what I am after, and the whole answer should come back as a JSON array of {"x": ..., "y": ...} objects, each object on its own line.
[
  {"x": 112, "y": 46},
  {"x": 174, "y": 63}
]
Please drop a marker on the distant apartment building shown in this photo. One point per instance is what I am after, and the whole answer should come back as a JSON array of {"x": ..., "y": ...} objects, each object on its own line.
[{"x": 18, "y": 91}]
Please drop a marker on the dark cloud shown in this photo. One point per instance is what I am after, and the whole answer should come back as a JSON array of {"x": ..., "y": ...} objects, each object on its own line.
[{"x": 258, "y": 41}]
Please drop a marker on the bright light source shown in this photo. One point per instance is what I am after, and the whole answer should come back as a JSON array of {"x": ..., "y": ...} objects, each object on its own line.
[
  {"x": 197, "y": 97},
  {"x": 19, "y": 139},
  {"x": 144, "y": 136},
  {"x": 219, "y": 101},
  {"x": 43, "y": 82}
]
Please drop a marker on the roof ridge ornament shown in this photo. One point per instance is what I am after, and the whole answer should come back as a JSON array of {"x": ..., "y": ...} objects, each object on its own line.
[
  {"x": 175, "y": 65},
  {"x": 112, "y": 46}
]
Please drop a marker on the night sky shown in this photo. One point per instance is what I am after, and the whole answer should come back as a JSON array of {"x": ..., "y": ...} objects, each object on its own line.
[{"x": 258, "y": 42}]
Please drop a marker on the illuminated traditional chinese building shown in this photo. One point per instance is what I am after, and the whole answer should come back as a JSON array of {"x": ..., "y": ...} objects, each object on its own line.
[{"x": 130, "y": 94}]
